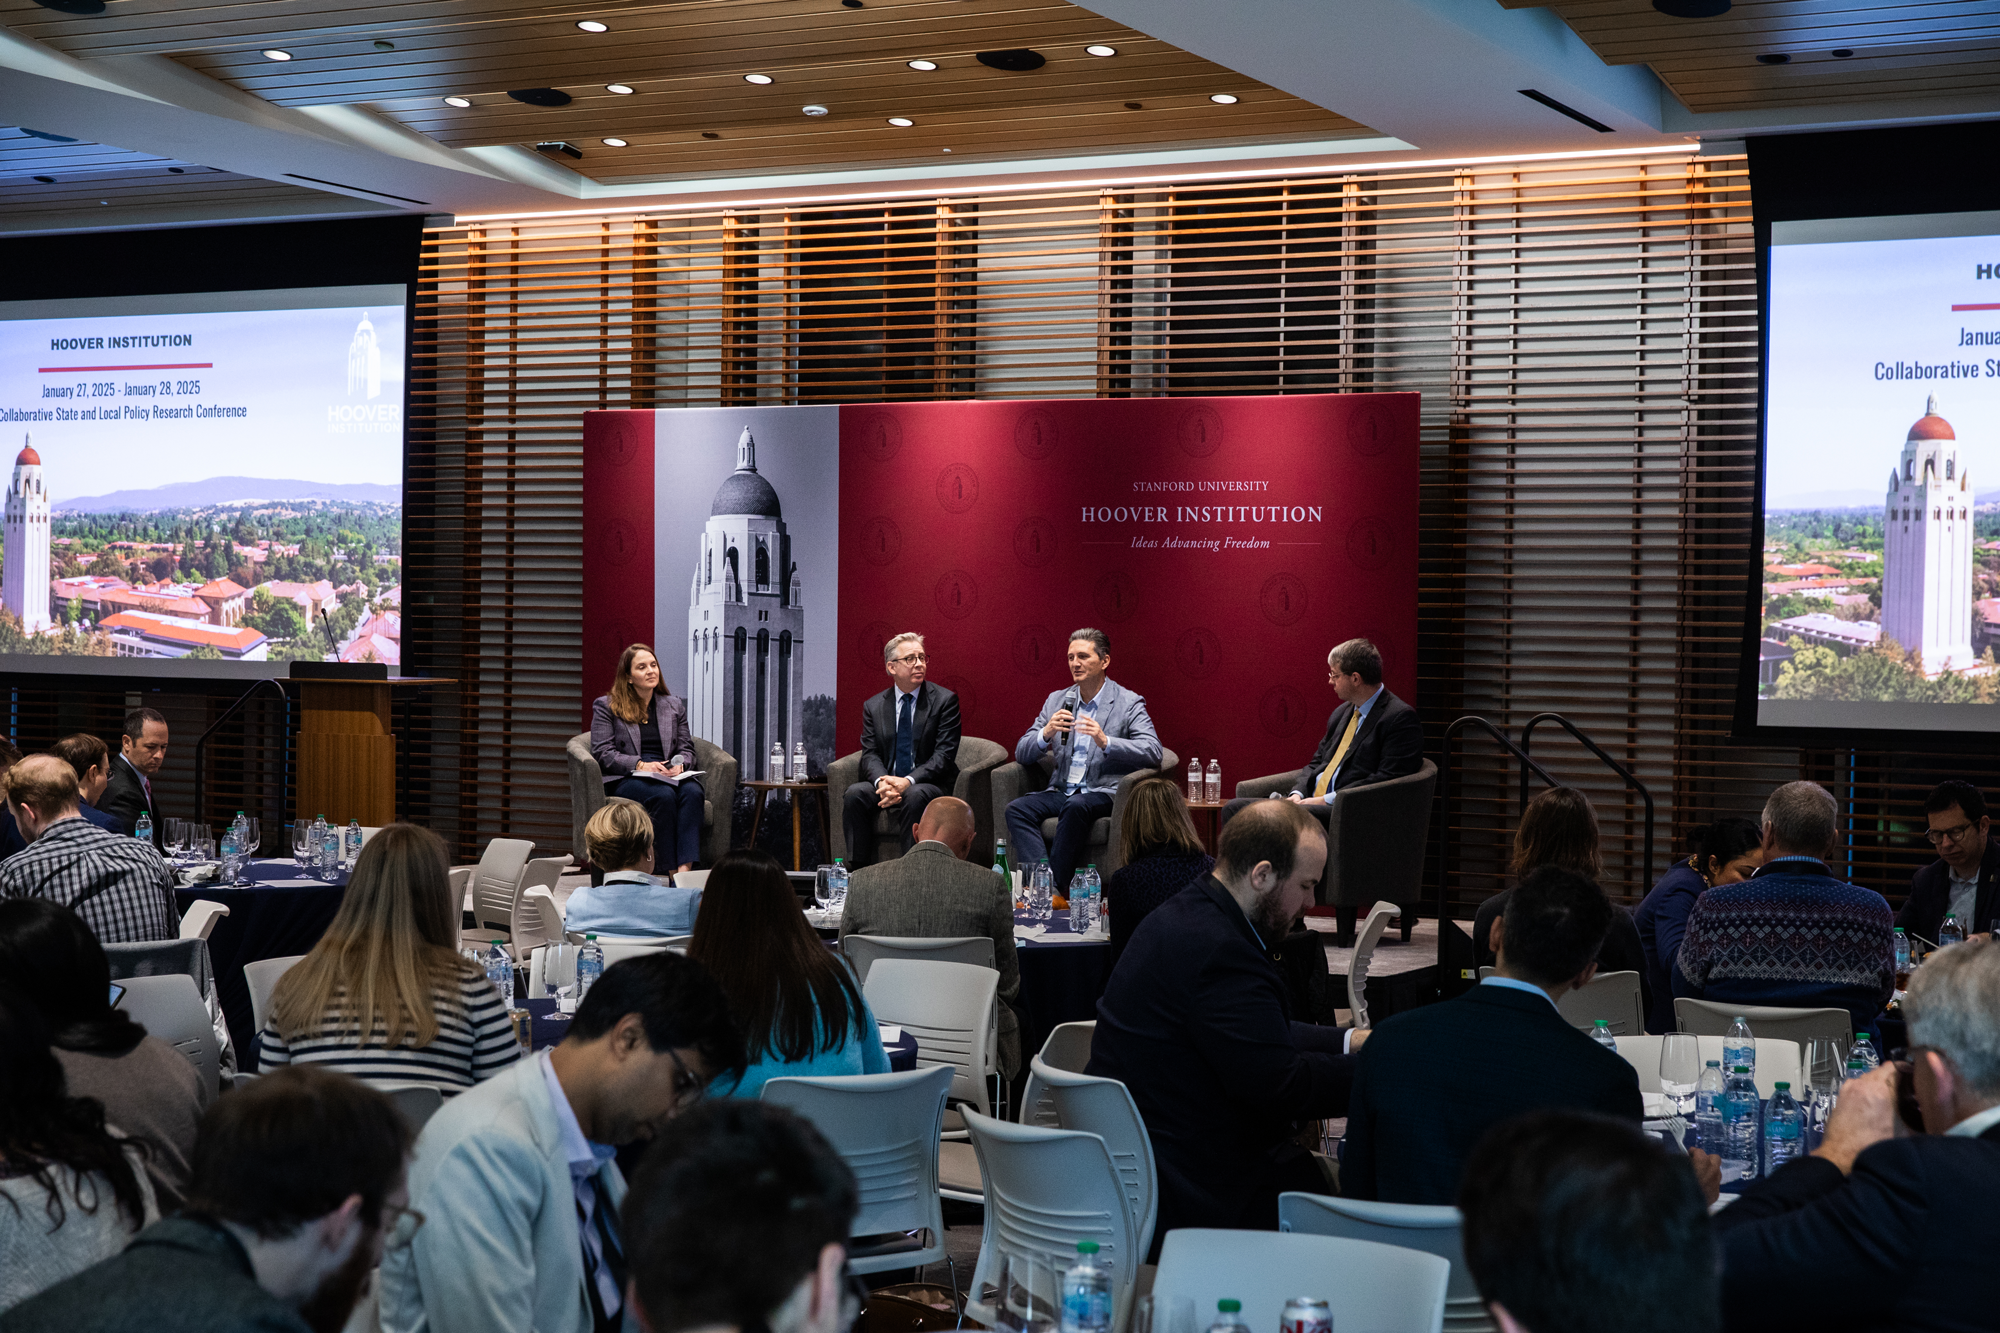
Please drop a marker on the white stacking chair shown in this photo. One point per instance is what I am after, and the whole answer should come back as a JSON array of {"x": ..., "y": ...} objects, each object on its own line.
[
  {"x": 1067, "y": 1048},
  {"x": 369, "y": 831},
  {"x": 1104, "y": 1107},
  {"x": 170, "y": 1008},
  {"x": 1778, "y": 1060},
  {"x": 1047, "y": 1189},
  {"x": 951, "y": 1009},
  {"x": 1412, "y": 1226},
  {"x": 1379, "y": 917},
  {"x": 690, "y": 879},
  {"x": 1611, "y": 996},
  {"x": 416, "y": 1102},
  {"x": 886, "y": 1128},
  {"x": 1710, "y": 1018},
  {"x": 863, "y": 951},
  {"x": 496, "y": 883},
  {"x": 262, "y": 978},
  {"x": 1379, "y": 1288},
  {"x": 537, "y": 920},
  {"x": 461, "y": 887},
  {"x": 198, "y": 922}
]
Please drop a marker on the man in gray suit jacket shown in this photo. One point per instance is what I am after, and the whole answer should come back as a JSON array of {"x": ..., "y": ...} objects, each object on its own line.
[
  {"x": 1097, "y": 731},
  {"x": 932, "y": 893},
  {"x": 518, "y": 1178}
]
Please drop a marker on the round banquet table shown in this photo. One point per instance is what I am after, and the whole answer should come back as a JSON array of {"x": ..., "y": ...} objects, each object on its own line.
[
  {"x": 274, "y": 912},
  {"x": 1062, "y": 976}
]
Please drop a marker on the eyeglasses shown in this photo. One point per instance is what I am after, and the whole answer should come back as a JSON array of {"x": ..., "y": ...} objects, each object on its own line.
[
  {"x": 403, "y": 1225},
  {"x": 1939, "y": 835},
  {"x": 913, "y": 659},
  {"x": 688, "y": 1087}
]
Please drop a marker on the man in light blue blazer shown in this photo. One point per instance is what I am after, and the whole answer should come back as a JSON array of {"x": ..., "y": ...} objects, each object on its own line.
[
  {"x": 1097, "y": 731},
  {"x": 518, "y": 1180}
]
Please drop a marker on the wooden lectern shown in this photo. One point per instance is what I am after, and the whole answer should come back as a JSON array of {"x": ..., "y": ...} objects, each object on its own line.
[{"x": 347, "y": 750}]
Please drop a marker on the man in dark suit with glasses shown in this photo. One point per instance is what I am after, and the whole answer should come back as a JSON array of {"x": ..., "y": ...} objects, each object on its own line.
[
  {"x": 909, "y": 750},
  {"x": 1965, "y": 879}
]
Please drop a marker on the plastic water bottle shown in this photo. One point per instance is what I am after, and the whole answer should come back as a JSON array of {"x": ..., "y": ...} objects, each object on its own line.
[
  {"x": 777, "y": 761},
  {"x": 230, "y": 846},
  {"x": 1602, "y": 1035},
  {"x": 1195, "y": 789},
  {"x": 1739, "y": 1126},
  {"x": 1045, "y": 891},
  {"x": 1784, "y": 1129},
  {"x": 353, "y": 842},
  {"x": 1861, "y": 1056},
  {"x": 1093, "y": 884},
  {"x": 144, "y": 830},
  {"x": 1902, "y": 956},
  {"x": 799, "y": 762},
  {"x": 1708, "y": 1109},
  {"x": 320, "y": 834},
  {"x": 589, "y": 965},
  {"x": 1079, "y": 904},
  {"x": 836, "y": 883},
  {"x": 500, "y": 971},
  {"x": 1950, "y": 932},
  {"x": 1739, "y": 1047},
  {"x": 1229, "y": 1318},
  {"x": 1086, "y": 1293},
  {"x": 1214, "y": 781}
]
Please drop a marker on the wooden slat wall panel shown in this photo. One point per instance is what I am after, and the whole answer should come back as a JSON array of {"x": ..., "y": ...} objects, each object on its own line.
[{"x": 1583, "y": 334}]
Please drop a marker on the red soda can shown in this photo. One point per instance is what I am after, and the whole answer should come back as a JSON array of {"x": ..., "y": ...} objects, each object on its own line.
[{"x": 1306, "y": 1314}]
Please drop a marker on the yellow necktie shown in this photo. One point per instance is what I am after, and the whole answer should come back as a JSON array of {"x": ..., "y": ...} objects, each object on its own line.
[{"x": 1339, "y": 753}]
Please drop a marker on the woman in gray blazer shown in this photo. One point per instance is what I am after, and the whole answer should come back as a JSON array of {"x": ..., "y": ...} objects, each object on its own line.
[{"x": 639, "y": 733}]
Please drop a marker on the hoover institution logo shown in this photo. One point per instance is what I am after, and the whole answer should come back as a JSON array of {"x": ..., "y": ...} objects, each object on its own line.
[{"x": 364, "y": 381}]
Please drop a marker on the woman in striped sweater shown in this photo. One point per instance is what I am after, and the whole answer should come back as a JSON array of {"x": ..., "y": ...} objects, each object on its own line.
[{"x": 389, "y": 967}]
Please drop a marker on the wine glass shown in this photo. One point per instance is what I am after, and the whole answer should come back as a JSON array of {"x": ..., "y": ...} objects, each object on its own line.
[
  {"x": 254, "y": 838},
  {"x": 300, "y": 839},
  {"x": 1680, "y": 1067},
  {"x": 177, "y": 836},
  {"x": 1826, "y": 1066}
]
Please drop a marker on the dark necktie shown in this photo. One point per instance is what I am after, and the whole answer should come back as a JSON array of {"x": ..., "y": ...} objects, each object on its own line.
[{"x": 906, "y": 754}]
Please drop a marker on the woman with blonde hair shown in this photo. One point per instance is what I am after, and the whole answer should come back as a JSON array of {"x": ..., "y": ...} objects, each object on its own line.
[
  {"x": 385, "y": 995},
  {"x": 639, "y": 733},
  {"x": 1162, "y": 856}
]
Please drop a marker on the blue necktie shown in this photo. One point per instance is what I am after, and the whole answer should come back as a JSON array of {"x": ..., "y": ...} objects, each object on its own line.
[{"x": 906, "y": 754}]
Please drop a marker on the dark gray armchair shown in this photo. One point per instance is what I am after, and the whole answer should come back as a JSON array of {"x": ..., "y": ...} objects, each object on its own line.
[
  {"x": 1376, "y": 838},
  {"x": 718, "y": 784},
  {"x": 1011, "y": 781},
  {"x": 977, "y": 758}
]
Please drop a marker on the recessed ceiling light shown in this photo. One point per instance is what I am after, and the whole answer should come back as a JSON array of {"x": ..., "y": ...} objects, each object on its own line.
[
  {"x": 1774, "y": 58},
  {"x": 813, "y": 109},
  {"x": 385, "y": 46},
  {"x": 275, "y": 54},
  {"x": 710, "y": 134},
  {"x": 944, "y": 150},
  {"x": 901, "y": 122},
  {"x": 1100, "y": 50},
  {"x": 1841, "y": 52},
  {"x": 1224, "y": 99},
  {"x": 1692, "y": 9},
  {"x": 592, "y": 25},
  {"x": 756, "y": 78},
  {"x": 620, "y": 88},
  {"x": 615, "y": 143},
  {"x": 925, "y": 65},
  {"x": 458, "y": 101},
  {"x": 46, "y": 180},
  {"x": 177, "y": 171}
]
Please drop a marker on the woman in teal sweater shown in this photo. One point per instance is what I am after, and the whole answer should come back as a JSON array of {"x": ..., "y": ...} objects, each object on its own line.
[{"x": 793, "y": 998}]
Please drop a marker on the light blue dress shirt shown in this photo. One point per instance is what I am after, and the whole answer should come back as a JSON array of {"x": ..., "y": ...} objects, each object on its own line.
[
  {"x": 1509, "y": 983},
  {"x": 633, "y": 905}
]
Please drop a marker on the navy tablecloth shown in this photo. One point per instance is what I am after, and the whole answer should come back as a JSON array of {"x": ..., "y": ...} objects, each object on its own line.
[
  {"x": 1060, "y": 981},
  {"x": 264, "y": 921}
]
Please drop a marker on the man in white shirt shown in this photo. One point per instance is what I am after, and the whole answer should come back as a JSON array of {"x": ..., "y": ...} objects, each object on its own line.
[
  {"x": 517, "y": 1178},
  {"x": 630, "y": 902}
]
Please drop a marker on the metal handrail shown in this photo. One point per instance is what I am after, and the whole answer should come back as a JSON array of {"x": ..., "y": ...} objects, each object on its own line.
[
  {"x": 1631, "y": 779},
  {"x": 285, "y": 759},
  {"x": 1444, "y": 796}
]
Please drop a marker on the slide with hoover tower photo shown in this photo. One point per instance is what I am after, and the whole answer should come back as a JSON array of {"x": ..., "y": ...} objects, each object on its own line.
[
  {"x": 1880, "y": 598},
  {"x": 213, "y": 476}
]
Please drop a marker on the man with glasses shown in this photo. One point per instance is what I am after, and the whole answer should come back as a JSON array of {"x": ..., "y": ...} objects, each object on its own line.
[
  {"x": 909, "y": 750},
  {"x": 738, "y": 1222},
  {"x": 518, "y": 1177},
  {"x": 297, "y": 1192},
  {"x": 1962, "y": 881}
]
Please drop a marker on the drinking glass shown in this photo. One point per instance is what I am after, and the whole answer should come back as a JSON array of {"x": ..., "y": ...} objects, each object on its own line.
[
  {"x": 299, "y": 829},
  {"x": 176, "y": 839},
  {"x": 1680, "y": 1067},
  {"x": 823, "y": 886},
  {"x": 1028, "y": 1301},
  {"x": 1826, "y": 1065},
  {"x": 255, "y": 840}
]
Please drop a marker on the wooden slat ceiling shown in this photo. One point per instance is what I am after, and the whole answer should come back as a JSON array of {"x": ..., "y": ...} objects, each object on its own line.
[
  {"x": 685, "y": 61},
  {"x": 44, "y": 176},
  {"x": 1920, "y": 48}
]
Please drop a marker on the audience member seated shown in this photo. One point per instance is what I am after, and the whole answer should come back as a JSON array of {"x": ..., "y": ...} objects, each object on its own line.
[
  {"x": 11, "y": 840},
  {"x": 1559, "y": 828},
  {"x": 142, "y": 752},
  {"x": 1580, "y": 1224},
  {"x": 1962, "y": 881},
  {"x": 297, "y": 1193},
  {"x": 1162, "y": 856},
  {"x": 793, "y": 998},
  {"x": 75, "y": 1190},
  {"x": 1194, "y": 1021},
  {"x": 1432, "y": 1080},
  {"x": 934, "y": 893},
  {"x": 1725, "y": 852},
  {"x": 385, "y": 995},
  {"x": 90, "y": 758},
  {"x": 737, "y": 1223},
  {"x": 120, "y": 886},
  {"x": 1792, "y": 934},
  {"x": 630, "y": 902},
  {"x": 518, "y": 1178},
  {"x": 150, "y": 1091},
  {"x": 1879, "y": 1228}
]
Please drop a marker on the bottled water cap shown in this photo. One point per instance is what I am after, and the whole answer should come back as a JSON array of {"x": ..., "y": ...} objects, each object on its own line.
[
  {"x": 1086, "y": 1247},
  {"x": 1783, "y": 1087},
  {"x": 1229, "y": 1307}
]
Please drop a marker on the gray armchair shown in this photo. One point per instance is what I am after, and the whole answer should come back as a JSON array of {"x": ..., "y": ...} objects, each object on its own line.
[
  {"x": 1376, "y": 838},
  {"x": 1011, "y": 781},
  {"x": 718, "y": 783},
  {"x": 977, "y": 758}
]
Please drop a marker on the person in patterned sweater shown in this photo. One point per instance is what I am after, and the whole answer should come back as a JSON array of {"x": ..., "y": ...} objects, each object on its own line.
[{"x": 1793, "y": 934}]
